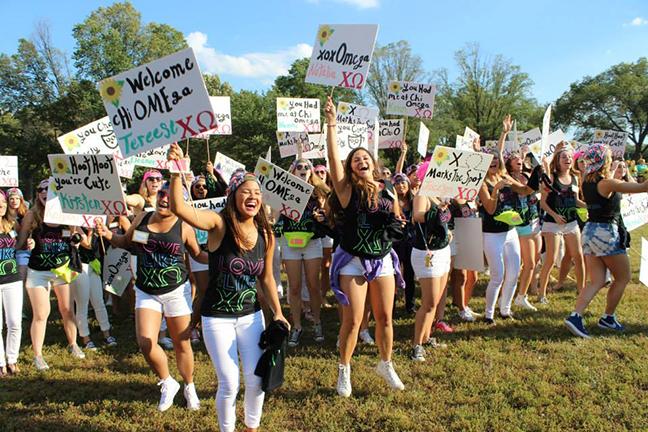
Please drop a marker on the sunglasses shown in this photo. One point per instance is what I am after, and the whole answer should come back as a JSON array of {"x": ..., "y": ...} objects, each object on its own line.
[
  {"x": 200, "y": 186},
  {"x": 320, "y": 172},
  {"x": 301, "y": 166},
  {"x": 154, "y": 179},
  {"x": 41, "y": 189}
]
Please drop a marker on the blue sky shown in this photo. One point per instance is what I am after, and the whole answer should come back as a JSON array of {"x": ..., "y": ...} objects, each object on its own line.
[{"x": 249, "y": 42}]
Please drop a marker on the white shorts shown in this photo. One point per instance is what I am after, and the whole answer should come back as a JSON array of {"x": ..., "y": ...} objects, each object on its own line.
[
  {"x": 327, "y": 242},
  {"x": 439, "y": 263},
  {"x": 42, "y": 278},
  {"x": 313, "y": 250},
  {"x": 354, "y": 267},
  {"x": 172, "y": 304},
  {"x": 554, "y": 228},
  {"x": 196, "y": 266}
]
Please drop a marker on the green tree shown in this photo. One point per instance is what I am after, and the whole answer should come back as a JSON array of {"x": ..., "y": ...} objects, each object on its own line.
[
  {"x": 112, "y": 40},
  {"x": 616, "y": 99}
]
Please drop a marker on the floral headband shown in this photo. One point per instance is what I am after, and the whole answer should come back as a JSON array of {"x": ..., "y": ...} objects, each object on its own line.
[
  {"x": 411, "y": 169},
  {"x": 594, "y": 157},
  {"x": 238, "y": 179},
  {"x": 14, "y": 191},
  {"x": 400, "y": 177}
]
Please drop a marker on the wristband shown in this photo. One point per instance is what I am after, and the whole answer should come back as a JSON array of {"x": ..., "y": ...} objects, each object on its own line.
[{"x": 331, "y": 125}]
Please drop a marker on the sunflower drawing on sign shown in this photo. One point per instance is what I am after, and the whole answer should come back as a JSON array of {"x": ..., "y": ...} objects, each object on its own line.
[
  {"x": 440, "y": 156},
  {"x": 324, "y": 34},
  {"x": 264, "y": 169},
  {"x": 110, "y": 90},
  {"x": 61, "y": 165},
  {"x": 282, "y": 104},
  {"x": 394, "y": 87},
  {"x": 344, "y": 108},
  {"x": 71, "y": 141},
  {"x": 598, "y": 134}
]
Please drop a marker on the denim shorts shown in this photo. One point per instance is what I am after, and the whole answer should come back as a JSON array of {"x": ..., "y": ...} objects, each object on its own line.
[{"x": 602, "y": 239}]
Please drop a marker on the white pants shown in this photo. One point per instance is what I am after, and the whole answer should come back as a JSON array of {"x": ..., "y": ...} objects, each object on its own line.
[
  {"x": 502, "y": 252},
  {"x": 87, "y": 287},
  {"x": 11, "y": 299},
  {"x": 226, "y": 339}
]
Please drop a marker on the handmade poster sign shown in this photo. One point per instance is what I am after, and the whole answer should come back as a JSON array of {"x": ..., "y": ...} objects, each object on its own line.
[
  {"x": 424, "y": 136},
  {"x": 342, "y": 55},
  {"x": 283, "y": 191},
  {"x": 391, "y": 133},
  {"x": 154, "y": 158},
  {"x": 469, "y": 241},
  {"x": 54, "y": 214},
  {"x": 455, "y": 173},
  {"x": 226, "y": 166},
  {"x": 470, "y": 135},
  {"x": 529, "y": 137},
  {"x": 615, "y": 140},
  {"x": 349, "y": 136},
  {"x": 553, "y": 140},
  {"x": 158, "y": 103},
  {"x": 546, "y": 120},
  {"x": 411, "y": 99},
  {"x": 222, "y": 112},
  {"x": 8, "y": 171},
  {"x": 298, "y": 115},
  {"x": 87, "y": 184},
  {"x": 358, "y": 114},
  {"x": 291, "y": 143},
  {"x": 180, "y": 166},
  {"x": 634, "y": 210},
  {"x": 316, "y": 147},
  {"x": 214, "y": 204},
  {"x": 463, "y": 143},
  {"x": 117, "y": 272}
]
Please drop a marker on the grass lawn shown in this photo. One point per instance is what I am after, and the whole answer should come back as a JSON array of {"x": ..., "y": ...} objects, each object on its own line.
[{"x": 527, "y": 375}]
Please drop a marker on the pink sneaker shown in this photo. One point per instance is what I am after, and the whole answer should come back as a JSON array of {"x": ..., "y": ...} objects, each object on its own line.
[{"x": 443, "y": 327}]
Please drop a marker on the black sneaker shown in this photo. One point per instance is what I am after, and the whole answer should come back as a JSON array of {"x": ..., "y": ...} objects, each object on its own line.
[
  {"x": 295, "y": 335},
  {"x": 489, "y": 321},
  {"x": 507, "y": 317}
]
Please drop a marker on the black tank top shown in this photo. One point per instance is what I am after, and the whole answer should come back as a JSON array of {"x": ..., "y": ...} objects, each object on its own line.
[
  {"x": 563, "y": 201},
  {"x": 8, "y": 265},
  {"x": 51, "y": 249},
  {"x": 505, "y": 201},
  {"x": 161, "y": 261},
  {"x": 305, "y": 224},
  {"x": 599, "y": 208},
  {"x": 363, "y": 227},
  {"x": 433, "y": 233},
  {"x": 232, "y": 279}
]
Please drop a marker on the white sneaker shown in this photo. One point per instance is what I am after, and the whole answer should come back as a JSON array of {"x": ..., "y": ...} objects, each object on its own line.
[
  {"x": 193, "y": 403},
  {"x": 344, "y": 380},
  {"x": 523, "y": 302},
  {"x": 76, "y": 351},
  {"x": 473, "y": 313},
  {"x": 543, "y": 300},
  {"x": 365, "y": 337},
  {"x": 166, "y": 343},
  {"x": 40, "y": 363},
  {"x": 169, "y": 389},
  {"x": 386, "y": 370},
  {"x": 467, "y": 315}
]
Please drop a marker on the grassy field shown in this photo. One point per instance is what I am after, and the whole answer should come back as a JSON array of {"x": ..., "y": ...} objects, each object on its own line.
[{"x": 527, "y": 375}]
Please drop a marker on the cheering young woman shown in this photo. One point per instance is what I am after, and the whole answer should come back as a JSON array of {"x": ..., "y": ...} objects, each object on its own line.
[
  {"x": 365, "y": 261},
  {"x": 240, "y": 242}
]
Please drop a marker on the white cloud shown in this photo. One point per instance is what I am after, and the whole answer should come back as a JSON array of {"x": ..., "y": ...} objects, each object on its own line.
[
  {"x": 264, "y": 66},
  {"x": 638, "y": 21}
]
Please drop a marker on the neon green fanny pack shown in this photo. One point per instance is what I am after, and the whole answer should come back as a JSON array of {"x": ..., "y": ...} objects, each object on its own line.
[
  {"x": 65, "y": 272},
  {"x": 298, "y": 239},
  {"x": 95, "y": 265}
]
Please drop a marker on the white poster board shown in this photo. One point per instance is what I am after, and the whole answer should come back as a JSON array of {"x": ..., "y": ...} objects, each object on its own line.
[
  {"x": 342, "y": 55},
  {"x": 634, "y": 210},
  {"x": 223, "y": 113},
  {"x": 54, "y": 214},
  {"x": 316, "y": 147},
  {"x": 87, "y": 184},
  {"x": 8, "y": 171},
  {"x": 214, "y": 204},
  {"x": 455, "y": 173},
  {"x": 226, "y": 165},
  {"x": 469, "y": 241},
  {"x": 298, "y": 115},
  {"x": 291, "y": 143},
  {"x": 424, "y": 136},
  {"x": 546, "y": 120},
  {"x": 358, "y": 114},
  {"x": 158, "y": 103},
  {"x": 463, "y": 143},
  {"x": 284, "y": 192},
  {"x": 615, "y": 140},
  {"x": 349, "y": 136},
  {"x": 117, "y": 271},
  {"x": 390, "y": 133},
  {"x": 154, "y": 158},
  {"x": 411, "y": 99},
  {"x": 553, "y": 140}
]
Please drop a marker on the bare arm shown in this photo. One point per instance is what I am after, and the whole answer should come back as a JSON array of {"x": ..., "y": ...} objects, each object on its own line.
[
  {"x": 420, "y": 206},
  {"x": 201, "y": 219},
  {"x": 192, "y": 246},
  {"x": 401, "y": 159},
  {"x": 489, "y": 200},
  {"x": 607, "y": 186},
  {"x": 24, "y": 230},
  {"x": 268, "y": 283},
  {"x": 123, "y": 241},
  {"x": 341, "y": 184}
]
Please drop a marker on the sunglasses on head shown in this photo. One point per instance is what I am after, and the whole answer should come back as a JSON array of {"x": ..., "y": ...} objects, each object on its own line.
[{"x": 301, "y": 166}]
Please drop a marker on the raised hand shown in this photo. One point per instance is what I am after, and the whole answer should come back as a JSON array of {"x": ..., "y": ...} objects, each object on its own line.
[
  {"x": 507, "y": 123},
  {"x": 175, "y": 152},
  {"x": 329, "y": 111}
]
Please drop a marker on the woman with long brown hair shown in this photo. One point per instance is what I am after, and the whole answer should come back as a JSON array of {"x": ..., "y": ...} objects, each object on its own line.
[{"x": 364, "y": 263}]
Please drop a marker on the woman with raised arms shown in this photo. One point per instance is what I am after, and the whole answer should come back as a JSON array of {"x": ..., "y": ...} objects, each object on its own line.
[
  {"x": 240, "y": 241},
  {"x": 160, "y": 240},
  {"x": 365, "y": 261}
]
